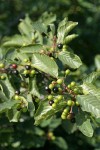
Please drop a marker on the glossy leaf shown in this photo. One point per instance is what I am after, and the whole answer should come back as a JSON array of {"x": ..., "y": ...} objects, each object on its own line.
[
  {"x": 45, "y": 64},
  {"x": 70, "y": 59},
  {"x": 89, "y": 103}
]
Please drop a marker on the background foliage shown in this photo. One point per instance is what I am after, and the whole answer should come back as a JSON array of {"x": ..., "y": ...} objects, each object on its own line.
[{"x": 24, "y": 135}]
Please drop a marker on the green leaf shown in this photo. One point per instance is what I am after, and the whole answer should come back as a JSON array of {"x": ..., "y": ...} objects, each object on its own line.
[
  {"x": 69, "y": 127},
  {"x": 40, "y": 27},
  {"x": 47, "y": 18},
  {"x": 92, "y": 90},
  {"x": 92, "y": 77},
  {"x": 64, "y": 28},
  {"x": 7, "y": 105},
  {"x": 25, "y": 27},
  {"x": 7, "y": 88},
  {"x": 3, "y": 97},
  {"x": 33, "y": 87},
  {"x": 31, "y": 106},
  {"x": 45, "y": 64},
  {"x": 13, "y": 115},
  {"x": 45, "y": 111},
  {"x": 31, "y": 48},
  {"x": 61, "y": 143},
  {"x": 97, "y": 62},
  {"x": 16, "y": 40},
  {"x": 89, "y": 103},
  {"x": 84, "y": 125},
  {"x": 69, "y": 38},
  {"x": 70, "y": 59}
]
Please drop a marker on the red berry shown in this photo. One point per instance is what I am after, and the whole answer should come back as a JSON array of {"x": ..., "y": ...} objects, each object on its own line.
[{"x": 14, "y": 66}]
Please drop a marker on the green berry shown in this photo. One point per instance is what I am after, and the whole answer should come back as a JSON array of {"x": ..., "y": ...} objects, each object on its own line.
[
  {"x": 60, "y": 81},
  {"x": 77, "y": 103},
  {"x": 64, "y": 46},
  {"x": 25, "y": 60},
  {"x": 63, "y": 117},
  {"x": 60, "y": 97},
  {"x": 51, "y": 86},
  {"x": 73, "y": 84},
  {"x": 54, "y": 105},
  {"x": 60, "y": 90},
  {"x": 69, "y": 86},
  {"x": 76, "y": 90},
  {"x": 56, "y": 101},
  {"x": 69, "y": 102},
  {"x": 33, "y": 72},
  {"x": 26, "y": 72},
  {"x": 53, "y": 138},
  {"x": 67, "y": 72},
  {"x": 16, "y": 97},
  {"x": 50, "y": 97},
  {"x": 66, "y": 110},
  {"x": 2, "y": 77},
  {"x": 1, "y": 65}
]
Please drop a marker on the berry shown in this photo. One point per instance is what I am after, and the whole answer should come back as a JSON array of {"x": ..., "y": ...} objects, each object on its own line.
[
  {"x": 16, "y": 97},
  {"x": 47, "y": 89},
  {"x": 67, "y": 72},
  {"x": 69, "y": 86},
  {"x": 25, "y": 60},
  {"x": 50, "y": 97},
  {"x": 55, "y": 89},
  {"x": 64, "y": 46},
  {"x": 73, "y": 120},
  {"x": 76, "y": 90},
  {"x": 51, "y": 102},
  {"x": 1, "y": 65},
  {"x": 69, "y": 102},
  {"x": 63, "y": 117},
  {"x": 73, "y": 84},
  {"x": 60, "y": 97},
  {"x": 60, "y": 90},
  {"x": 2, "y": 77},
  {"x": 53, "y": 138},
  {"x": 51, "y": 86},
  {"x": 28, "y": 67},
  {"x": 56, "y": 101},
  {"x": 60, "y": 81},
  {"x": 70, "y": 116},
  {"x": 26, "y": 72},
  {"x": 54, "y": 105},
  {"x": 17, "y": 92},
  {"x": 77, "y": 103},
  {"x": 14, "y": 66},
  {"x": 66, "y": 110},
  {"x": 33, "y": 72},
  {"x": 15, "y": 72},
  {"x": 64, "y": 49},
  {"x": 60, "y": 45}
]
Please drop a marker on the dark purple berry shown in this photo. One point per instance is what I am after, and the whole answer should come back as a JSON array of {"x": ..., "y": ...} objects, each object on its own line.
[
  {"x": 51, "y": 102},
  {"x": 55, "y": 89},
  {"x": 17, "y": 92},
  {"x": 15, "y": 72},
  {"x": 47, "y": 89},
  {"x": 28, "y": 67},
  {"x": 60, "y": 45}
]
